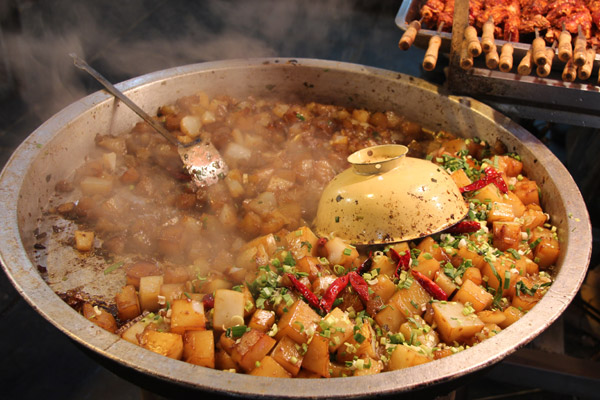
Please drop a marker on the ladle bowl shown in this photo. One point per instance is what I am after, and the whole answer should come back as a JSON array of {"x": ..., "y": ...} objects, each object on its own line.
[{"x": 387, "y": 197}]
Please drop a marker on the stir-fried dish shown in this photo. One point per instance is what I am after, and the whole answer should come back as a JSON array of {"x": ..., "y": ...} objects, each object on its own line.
[{"x": 232, "y": 276}]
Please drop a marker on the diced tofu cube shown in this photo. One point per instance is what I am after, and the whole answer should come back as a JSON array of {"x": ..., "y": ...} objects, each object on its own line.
[
  {"x": 384, "y": 287},
  {"x": 512, "y": 314},
  {"x": 489, "y": 193},
  {"x": 132, "y": 333},
  {"x": 287, "y": 354},
  {"x": 302, "y": 242},
  {"x": 478, "y": 297},
  {"x": 446, "y": 283},
  {"x": 453, "y": 324},
  {"x": 128, "y": 303},
  {"x": 546, "y": 252},
  {"x": 252, "y": 347},
  {"x": 149, "y": 292},
  {"x": 91, "y": 185},
  {"x": 516, "y": 203},
  {"x": 228, "y": 309},
  {"x": 271, "y": 368},
  {"x": 402, "y": 305},
  {"x": 491, "y": 316},
  {"x": 299, "y": 322},
  {"x": 262, "y": 320},
  {"x": 187, "y": 315},
  {"x": 316, "y": 358},
  {"x": 84, "y": 241},
  {"x": 427, "y": 265},
  {"x": 340, "y": 252},
  {"x": 506, "y": 235},
  {"x": 405, "y": 356},
  {"x": 527, "y": 191},
  {"x": 100, "y": 317},
  {"x": 499, "y": 272},
  {"x": 460, "y": 178},
  {"x": 199, "y": 348},
  {"x": 338, "y": 328},
  {"x": 165, "y": 343},
  {"x": 501, "y": 212},
  {"x": 172, "y": 291}
]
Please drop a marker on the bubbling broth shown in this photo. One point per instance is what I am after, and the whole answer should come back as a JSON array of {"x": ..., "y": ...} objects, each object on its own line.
[{"x": 232, "y": 277}]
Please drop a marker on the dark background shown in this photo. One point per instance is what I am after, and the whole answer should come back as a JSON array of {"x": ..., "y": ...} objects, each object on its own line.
[{"x": 124, "y": 39}]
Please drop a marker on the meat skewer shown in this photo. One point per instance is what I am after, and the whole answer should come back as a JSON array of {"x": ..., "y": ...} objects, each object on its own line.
[
  {"x": 524, "y": 67},
  {"x": 431, "y": 55},
  {"x": 491, "y": 57},
  {"x": 544, "y": 70},
  {"x": 487, "y": 36},
  {"x": 579, "y": 52},
  {"x": 565, "y": 48},
  {"x": 506, "y": 57},
  {"x": 538, "y": 49},
  {"x": 585, "y": 71},
  {"x": 570, "y": 72},
  {"x": 466, "y": 58},
  {"x": 408, "y": 38},
  {"x": 472, "y": 41}
]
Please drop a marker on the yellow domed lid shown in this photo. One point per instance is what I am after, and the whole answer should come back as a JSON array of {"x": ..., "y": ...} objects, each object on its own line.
[{"x": 387, "y": 197}]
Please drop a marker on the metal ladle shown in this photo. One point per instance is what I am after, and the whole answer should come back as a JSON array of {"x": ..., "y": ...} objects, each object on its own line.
[{"x": 200, "y": 158}]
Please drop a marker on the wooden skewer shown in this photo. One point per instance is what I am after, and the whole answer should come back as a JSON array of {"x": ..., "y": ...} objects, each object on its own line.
[
  {"x": 538, "y": 51},
  {"x": 506, "y": 57},
  {"x": 565, "y": 48},
  {"x": 487, "y": 36},
  {"x": 585, "y": 71},
  {"x": 524, "y": 67},
  {"x": 492, "y": 58},
  {"x": 579, "y": 53},
  {"x": 431, "y": 55},
  {"x": 473, "y": 45},
  {"x": 409, "y": 36},
  {"x": 544, "y": 70},
  {"x": 570, "y": 72},
  {"x": 466, "y": 58}
]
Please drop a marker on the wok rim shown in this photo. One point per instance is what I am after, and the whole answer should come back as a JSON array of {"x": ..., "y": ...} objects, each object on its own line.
[{"x": 30, "y": 285}]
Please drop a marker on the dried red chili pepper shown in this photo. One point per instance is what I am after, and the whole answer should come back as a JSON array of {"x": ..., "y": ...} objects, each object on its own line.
[
  {"x": 491, "y": 176},
  {"x": 310, "y": 297},
  {"x": 496, "y": 178},
  {"x": 208, "y": 301},
  {"x": 465, "y": 227},
  {"x": 365, "y": 266},
  {"x": 332, "y": 292},
  {"x": 402, "y": 261},
  {"x": 430, "y": 286},
  {"x": 360, "y": 285}
]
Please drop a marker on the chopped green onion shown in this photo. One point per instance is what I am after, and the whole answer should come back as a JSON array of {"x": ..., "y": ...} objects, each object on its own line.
[{"x": 113, "y": 267}]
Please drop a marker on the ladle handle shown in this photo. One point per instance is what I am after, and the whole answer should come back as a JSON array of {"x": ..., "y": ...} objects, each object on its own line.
[{"x": 81, "y": 64}]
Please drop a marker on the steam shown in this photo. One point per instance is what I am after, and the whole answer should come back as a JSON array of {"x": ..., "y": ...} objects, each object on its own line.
[{"x": 132, "y": 39}]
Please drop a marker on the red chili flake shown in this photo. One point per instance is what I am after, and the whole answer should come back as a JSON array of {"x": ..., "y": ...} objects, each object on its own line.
[
  {"x": 208, "y": 301},
  {"x": 465, "y": 227},
  {"x": 310, "y": 297},
  {"x": 430, "y": 286},
  {"x": 402, "y": 261},
  {"x": 332, "y": 292},
  {"x": 321, "y": 242},
  {"x": 360, "y": 285}
]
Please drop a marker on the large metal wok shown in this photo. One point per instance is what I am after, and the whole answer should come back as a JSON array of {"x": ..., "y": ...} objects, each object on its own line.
[{"x": 59, "y": 145}]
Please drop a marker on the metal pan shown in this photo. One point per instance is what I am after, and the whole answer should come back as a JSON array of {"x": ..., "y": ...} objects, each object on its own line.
[{"x": 60, "y": 144}]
